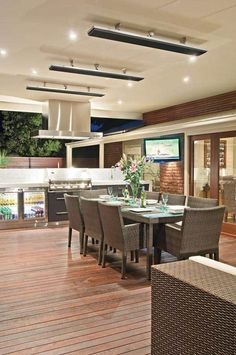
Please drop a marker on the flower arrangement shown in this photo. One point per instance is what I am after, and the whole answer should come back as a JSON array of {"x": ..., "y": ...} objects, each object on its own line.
[{"x": 133, "y": 170}]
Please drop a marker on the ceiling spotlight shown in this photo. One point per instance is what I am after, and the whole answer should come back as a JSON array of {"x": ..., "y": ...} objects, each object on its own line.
[
  {"x": 72, "y": 35},
  {"x": 34, "y": 72},
  {"x": 192, "y": 58},
  {"x": 146, "y": 41},
  {"x": 120, "y": 102},
  {"x": 130, "y": 84},
  {"x": 3, "y": 52},
  {"x": 63, "y": 91},
  {"x": 94, "y": 72},
  {"x": 186, "y": 79}
]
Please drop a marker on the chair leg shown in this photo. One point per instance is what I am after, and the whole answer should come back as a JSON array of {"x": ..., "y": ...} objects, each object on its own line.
[
  {"x": 85, "y": 244},
  {"x": 104, "y": 251},
  {"x": 216, "y": 255},
  {"x": 132, "y": 255},
  {"x": 69, "y": 237},
  {"x": 100, "y": 253},
  {"x": 157, "y": 255},
  {"x": 226, "y": 217},
  {"x": 81, "y": 237},
  {"x": 136, "y": 256},
  {"x": 123, "y": 268}
]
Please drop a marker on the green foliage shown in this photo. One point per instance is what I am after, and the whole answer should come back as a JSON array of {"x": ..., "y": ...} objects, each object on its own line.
[
  {"x": 3, "y": 158},
  {"x": 17, "y": 128}
]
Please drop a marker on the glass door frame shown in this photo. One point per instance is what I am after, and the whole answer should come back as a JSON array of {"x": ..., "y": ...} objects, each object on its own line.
[
  {"x": 214, "y": 138},
  {"x": 214, "y": 163}
]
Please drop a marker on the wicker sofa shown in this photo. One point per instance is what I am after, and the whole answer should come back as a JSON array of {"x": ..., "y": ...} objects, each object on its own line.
[{"x": 193, "y": 308}]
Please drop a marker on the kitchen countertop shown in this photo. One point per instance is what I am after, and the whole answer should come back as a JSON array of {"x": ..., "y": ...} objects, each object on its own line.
[{"x": 22, "y": 185}]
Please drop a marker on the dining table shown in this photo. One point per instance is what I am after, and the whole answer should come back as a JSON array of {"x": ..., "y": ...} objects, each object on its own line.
[{"x": 148, "y": 217}]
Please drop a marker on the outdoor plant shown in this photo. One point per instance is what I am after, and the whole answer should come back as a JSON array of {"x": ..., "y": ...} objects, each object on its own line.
[{"x": 3, "y": 158}]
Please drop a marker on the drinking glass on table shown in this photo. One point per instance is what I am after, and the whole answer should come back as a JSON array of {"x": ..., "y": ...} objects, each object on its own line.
[
  {"x": 110, "y": 191},
  {"x": 164, "y": 198}
]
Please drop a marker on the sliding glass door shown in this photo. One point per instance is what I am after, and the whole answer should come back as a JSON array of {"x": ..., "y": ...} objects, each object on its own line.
[{"x": 213, "y": 171}]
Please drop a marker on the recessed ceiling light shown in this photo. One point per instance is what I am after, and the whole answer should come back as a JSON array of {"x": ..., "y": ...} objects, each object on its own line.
[
  {"x": 186, "y": 79},
  {"x": 34, "y": 72},
  {"x": 120, "y": 102},
  {"x": 72, "y": 35},
  {"x": 3, "y": 52},
  {"x": 130, "y": 84},
  {"x": 192, "y": 58}
]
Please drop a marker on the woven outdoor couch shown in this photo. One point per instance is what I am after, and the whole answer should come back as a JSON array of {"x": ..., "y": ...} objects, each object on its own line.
[{"x": 193, "y": 308}]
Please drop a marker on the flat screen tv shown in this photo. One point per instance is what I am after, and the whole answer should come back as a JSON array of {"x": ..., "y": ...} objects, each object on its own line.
[{"x": 162, "y": 149}]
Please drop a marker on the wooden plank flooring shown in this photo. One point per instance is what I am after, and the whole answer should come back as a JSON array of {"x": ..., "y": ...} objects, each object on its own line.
[{"x": 55, "y": 301}]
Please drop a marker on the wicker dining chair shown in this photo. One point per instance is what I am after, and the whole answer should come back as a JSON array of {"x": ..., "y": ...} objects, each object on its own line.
[
  {"x": 201, "y": 202},
  {"x": 75, "y": 219},
  {"x": 92, "y": 224},
  {"x": 198, "y": 235},
  {"x": 118, "y": 235},
  {"x": 92, "y": 193},
  {"x": 153, "y": 195},
  {"x": 174, "y": 199}
]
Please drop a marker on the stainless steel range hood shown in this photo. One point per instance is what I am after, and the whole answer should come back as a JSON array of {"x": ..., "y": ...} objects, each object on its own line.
[{"x": 66, "y": 120}]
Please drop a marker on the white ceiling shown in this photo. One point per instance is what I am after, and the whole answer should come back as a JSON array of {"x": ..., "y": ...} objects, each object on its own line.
[{"x": 35, "y": 34}]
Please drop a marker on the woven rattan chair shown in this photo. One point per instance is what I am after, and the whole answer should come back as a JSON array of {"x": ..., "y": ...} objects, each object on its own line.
[
  {"x": 229, "y": 188},
  {"x": 118, "y": 235},
  {"x": 75, "y": 218},
  {"x": 174, "y": 199},
  {"x": 153, "y": 195},
  {"x": 92, "y": 224},
  {"x": 92, "y": 193},
  {"x": 201, "y": 202},
  {"x": 198, "y": 235}
]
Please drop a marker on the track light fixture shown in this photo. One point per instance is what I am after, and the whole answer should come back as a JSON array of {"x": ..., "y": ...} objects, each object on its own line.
[
  {"x": 64, "y": 91},
  {"x": 146, "y": 41},
  {"x": 93, "y": 72}
]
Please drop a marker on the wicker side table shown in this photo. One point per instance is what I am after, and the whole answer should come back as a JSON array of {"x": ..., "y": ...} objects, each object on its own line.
[{"x": 193, "y": 310}]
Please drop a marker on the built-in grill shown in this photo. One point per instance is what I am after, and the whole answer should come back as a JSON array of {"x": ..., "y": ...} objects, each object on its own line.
[
  {"x": 70, "y": 185},
  {"x": 56, "y": 201}
]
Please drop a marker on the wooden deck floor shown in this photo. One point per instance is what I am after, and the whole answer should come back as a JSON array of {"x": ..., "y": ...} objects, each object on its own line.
[{"x": 54, "y": 301}]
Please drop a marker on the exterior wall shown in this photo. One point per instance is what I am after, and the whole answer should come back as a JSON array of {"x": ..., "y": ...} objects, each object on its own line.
[
  {"x": 112, "y": 154},
  {"x": 205, "y": 106},
  {"x": 172, "y": 177}
]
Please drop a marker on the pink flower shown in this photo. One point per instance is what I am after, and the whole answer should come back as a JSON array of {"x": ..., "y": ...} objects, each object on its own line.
[{"x": 133, "y": 167}]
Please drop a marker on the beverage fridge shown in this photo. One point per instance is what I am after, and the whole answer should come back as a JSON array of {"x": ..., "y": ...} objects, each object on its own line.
[
  {"x": 22, "y": 207},
  {"x": 9, "y": 206},
  {"x": 34, "y": 204}
]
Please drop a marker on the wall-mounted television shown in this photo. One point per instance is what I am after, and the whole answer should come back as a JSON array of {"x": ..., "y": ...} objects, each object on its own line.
[{"x": 163, "y": 149}]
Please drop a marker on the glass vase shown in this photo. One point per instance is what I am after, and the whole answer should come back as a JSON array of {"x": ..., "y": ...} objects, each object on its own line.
[{"x": 134, "y": 191}]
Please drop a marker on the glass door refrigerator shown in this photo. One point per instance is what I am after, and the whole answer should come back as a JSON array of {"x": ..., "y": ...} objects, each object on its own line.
[
  {"x": 34, "y": 204},
  {"x": 9, "y": 205}
]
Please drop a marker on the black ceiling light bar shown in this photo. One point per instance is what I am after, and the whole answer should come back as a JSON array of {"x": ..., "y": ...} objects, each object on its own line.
[
  {"x": 94, "y": 72},
  {"x": 146, "y": 41},
  {"x": 63, "y": 91}
]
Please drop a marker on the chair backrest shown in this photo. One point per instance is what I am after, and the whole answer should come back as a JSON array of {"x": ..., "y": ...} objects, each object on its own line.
[
  {"x": 112, "y": 224},
  {"x": 74, "y": 213},
  {"x": 174, "y": 199},
  {"x": 92, "y": 193},
  {"x": 201, "y": 229},
  {"x": 91, "y": 217},
  {"x": 153, "y": 195},
  {"x": 201, "y": 202},
  {"x": 229, "y": 188}
]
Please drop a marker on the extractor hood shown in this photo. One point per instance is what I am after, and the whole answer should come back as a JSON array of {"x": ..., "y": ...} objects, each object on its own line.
[{"x": 66, "y": 120}]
